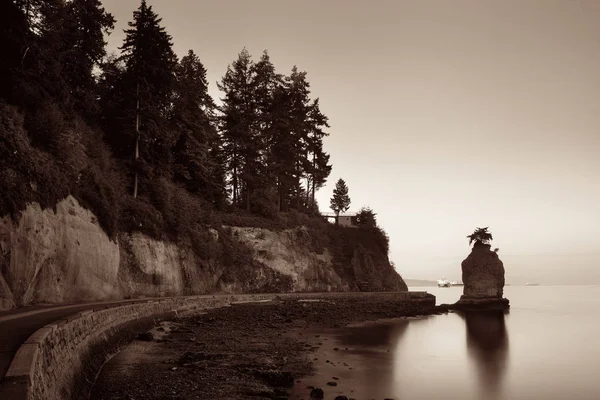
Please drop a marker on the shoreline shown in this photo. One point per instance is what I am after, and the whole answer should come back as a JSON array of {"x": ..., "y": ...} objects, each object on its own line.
[{"x": 246, "y": 351}]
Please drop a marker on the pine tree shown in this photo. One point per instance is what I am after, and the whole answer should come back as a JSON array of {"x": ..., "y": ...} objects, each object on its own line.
[
  {"x": 30, "y": 62},
  {"x": 317, "y": 165},
  {"x": 299, "y": 89},
  {"x": 145, "y": 94},
  {"x": 14, "y": 35},
  {"x": 241, "y": 143},
  {"x": 281, "y": 145},
  {"x": 218, "y": 175},
  {"x": 340, "y": 202},
  {"x": 83, "y": 32},
  {"x": 191, "y": 119},
  {"x": 265, "y": 83},
  {"x": 287, "y": 139}
]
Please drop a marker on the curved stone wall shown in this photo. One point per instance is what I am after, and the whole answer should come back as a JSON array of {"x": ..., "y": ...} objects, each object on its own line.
[{"x": 61, "y": 360}]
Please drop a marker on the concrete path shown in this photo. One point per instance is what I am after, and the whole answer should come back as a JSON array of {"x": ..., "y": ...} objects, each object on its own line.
[{"x": 18, "y": 324}]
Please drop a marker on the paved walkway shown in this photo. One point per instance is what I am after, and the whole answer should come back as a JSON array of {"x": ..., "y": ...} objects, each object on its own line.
[{"x": 18, "y": 324}]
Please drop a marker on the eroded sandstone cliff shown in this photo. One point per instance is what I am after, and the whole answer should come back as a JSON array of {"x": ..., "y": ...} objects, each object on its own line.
[{"x": 62, "y": 255}]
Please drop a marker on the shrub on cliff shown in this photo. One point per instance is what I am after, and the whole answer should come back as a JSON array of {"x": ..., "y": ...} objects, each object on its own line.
[
  {"x": 361, "y": 254},
  {"x": 26, "y": 173},
  {"x": 366, "y": 218}
]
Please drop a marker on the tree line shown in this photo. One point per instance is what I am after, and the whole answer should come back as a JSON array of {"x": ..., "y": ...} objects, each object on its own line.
[{"x": 260, "y": 150}]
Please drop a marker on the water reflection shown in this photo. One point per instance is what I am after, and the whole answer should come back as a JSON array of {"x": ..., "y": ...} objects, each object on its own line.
[
  {"x": 375, "y": 335},
  {"x": 374, "y": 347},
  {"x": 487, "y": 346}
]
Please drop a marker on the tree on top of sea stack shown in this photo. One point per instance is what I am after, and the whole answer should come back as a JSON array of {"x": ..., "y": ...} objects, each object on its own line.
[
  {"x": 480, "y": 236},
  {"x": 340, "y": 202}
]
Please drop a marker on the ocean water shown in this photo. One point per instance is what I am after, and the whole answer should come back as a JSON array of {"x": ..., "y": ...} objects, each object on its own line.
[{"x": 547, "y": 347}]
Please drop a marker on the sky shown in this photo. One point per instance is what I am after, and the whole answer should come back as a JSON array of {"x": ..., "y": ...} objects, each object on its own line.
[{"x": 445, "y": 116}]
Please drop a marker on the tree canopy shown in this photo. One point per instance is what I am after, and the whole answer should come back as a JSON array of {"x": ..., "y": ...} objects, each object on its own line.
[
  {"x": 128, "y": 132},
  {"x": 340, "y": 201},
  {"x": 366, "y": 218},
  {"x": 480, "y": 236}
]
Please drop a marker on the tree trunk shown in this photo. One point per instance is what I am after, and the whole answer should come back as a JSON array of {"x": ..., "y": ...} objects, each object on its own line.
[
  {"x": 278, "y": 185},
  {"x": 235, "y": 185},
  {"x": 307, "y": 197},
  {"x": 298, "y": 185},
  {"x": 137, "y": 141},
  {"x": 247, "y": 197},
  {"x": 234, "y": 161},
  {"x": 313, "y": 179}
]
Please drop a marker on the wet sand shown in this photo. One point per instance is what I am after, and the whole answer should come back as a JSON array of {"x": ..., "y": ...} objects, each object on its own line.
[{"x": 247, "y": 351}]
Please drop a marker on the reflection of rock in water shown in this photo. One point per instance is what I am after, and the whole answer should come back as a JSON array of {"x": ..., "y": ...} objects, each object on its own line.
[{"x": 487, "y": 343}]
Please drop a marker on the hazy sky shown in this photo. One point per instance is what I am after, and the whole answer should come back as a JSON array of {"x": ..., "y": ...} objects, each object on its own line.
[{"x": 445, "y": 115}]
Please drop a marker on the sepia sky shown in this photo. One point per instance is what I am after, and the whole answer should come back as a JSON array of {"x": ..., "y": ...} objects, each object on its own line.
[{"x": 445, "y": 116}]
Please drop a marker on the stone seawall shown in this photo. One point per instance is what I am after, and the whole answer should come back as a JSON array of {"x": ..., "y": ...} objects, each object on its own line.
[{"x": 60, "y": 360}]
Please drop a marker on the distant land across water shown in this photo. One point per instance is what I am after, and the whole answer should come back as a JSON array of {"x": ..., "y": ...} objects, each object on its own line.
[
  {"x": 420, "y": 282},
  {"x": 545, "y": 269},
  {"x": 430, "y": 283}
]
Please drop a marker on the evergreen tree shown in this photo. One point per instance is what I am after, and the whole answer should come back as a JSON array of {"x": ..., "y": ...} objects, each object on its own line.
[
  {"x": 340, "y": 202},
  {"x": 300, "y": 110},
  {"x": 218, "y": 177},
  {"x": 317, "y": 165},
  {"x": 288, "y": 139},
  {"x": 265, "y": 81},
  {"x": 281, "y": 145},
  {"x": 294, "y": 142},
  {"x": 144, "y": 95},
  {"x": 83, "y": 32},
  {"x": 241, "y": 142},
  {"x": 192, "y": 108},
  {"x": 14, "y": 35},
  {"x": 30, "y": 63}
]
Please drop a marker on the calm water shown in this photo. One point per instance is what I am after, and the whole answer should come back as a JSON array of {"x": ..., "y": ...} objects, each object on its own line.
[{"x": 546, "y": 348}]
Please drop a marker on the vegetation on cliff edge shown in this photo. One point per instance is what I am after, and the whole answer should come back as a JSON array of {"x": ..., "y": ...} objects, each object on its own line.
[{"x": 137, "y": 139}]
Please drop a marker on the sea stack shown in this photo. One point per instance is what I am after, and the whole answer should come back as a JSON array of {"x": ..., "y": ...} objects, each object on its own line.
[{"x": 482, "y": 275}]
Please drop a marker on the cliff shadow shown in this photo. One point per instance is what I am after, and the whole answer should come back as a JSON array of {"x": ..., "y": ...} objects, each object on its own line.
[{"x": 487, "y": 346}]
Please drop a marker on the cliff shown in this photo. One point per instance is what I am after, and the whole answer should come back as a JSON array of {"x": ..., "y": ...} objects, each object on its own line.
[{"x": 63, "y": 255}]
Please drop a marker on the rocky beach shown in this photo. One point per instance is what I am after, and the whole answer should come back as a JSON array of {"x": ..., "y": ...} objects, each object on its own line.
[{"x": 246, "y": 351}]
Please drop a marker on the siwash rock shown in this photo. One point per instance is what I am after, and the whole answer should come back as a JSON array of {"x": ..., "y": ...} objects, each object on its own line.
[{"x": 483, "y": 278}]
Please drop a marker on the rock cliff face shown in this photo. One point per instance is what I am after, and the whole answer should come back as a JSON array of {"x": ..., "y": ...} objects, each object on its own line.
[
  {"x": 483, "y": 273},
  {"x": 60, "y": 255},
  {"x": 483, "y": 278},
  {"x": 63, "y": 256}
]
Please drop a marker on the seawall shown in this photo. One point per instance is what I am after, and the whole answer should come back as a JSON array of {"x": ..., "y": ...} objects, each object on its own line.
[{"x": 60, "y": 360}]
